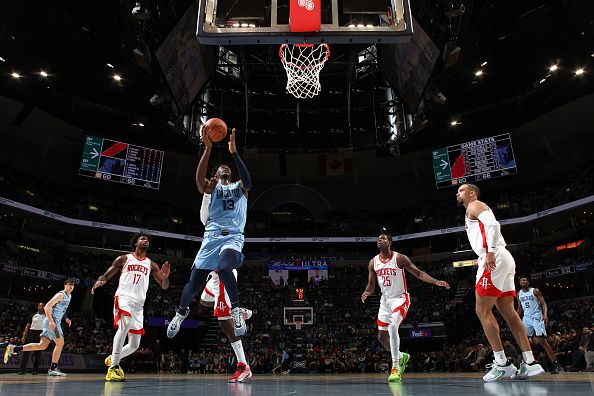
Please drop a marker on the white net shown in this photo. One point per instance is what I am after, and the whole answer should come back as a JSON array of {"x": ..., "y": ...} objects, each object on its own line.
[{"x": 303, "y": 63}]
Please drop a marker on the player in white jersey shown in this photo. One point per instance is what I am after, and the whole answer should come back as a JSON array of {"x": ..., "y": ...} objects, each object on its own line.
[
  {"x": 128, "y": 316},
  {"x": 387, "y": 269},
  {"x": 532, "y": 304},
  {"x": 495, "y": 286},
  {"x": 214, "y": 295}
]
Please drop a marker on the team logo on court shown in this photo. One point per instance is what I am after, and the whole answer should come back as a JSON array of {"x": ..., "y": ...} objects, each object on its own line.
[
  {"x": 484, "y": 283},
  {"x": 308, "y": 4}
]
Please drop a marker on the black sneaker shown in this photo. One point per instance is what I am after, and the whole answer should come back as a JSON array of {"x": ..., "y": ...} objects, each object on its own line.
[{"x": 556, "y": 369}]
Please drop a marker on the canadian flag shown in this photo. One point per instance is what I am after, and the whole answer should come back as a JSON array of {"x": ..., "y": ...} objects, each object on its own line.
[
  {"x": 305, "y": 15},
  {"x": 334, "y": 165}
]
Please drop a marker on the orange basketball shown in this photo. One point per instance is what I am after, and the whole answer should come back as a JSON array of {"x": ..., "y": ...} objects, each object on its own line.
[{"x": 216, "y": 129}]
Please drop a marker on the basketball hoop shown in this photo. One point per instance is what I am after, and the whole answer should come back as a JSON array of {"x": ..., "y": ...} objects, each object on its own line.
[
  {"x": 303, "y": 64},
  {"x": 298, "y": 324}
]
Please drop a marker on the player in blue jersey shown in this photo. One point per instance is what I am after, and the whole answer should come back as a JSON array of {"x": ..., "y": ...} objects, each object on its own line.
[
  {"x": 52, "y": 329},
  {"x": 223, "y": 235},
  {"x": 533, "y": 305}
]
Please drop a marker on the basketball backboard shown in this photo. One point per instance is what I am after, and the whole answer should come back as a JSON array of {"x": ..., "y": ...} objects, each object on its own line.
[{"x": 232, "y": 22}]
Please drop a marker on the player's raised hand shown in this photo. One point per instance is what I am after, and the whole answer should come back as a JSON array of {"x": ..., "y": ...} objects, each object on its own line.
[
  {"x": 364, "y": 296},
  {"x": 210, "y": 185},
  {"x": 232, "y": 147},
  {"x": 166, "y": 269},
  {"x": 441, "y": 283},
  {"x": 205, "y": 138},
  {"x": 97, "y": 284}
]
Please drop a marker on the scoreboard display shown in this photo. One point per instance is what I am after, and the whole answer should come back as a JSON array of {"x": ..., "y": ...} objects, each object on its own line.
[
  {"x": 121, "y": 162},
  {"x": 473, "y": 161}
]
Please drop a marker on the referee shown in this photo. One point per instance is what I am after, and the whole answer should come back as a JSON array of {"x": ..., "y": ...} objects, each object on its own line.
[{"x": 31, "y": 334}]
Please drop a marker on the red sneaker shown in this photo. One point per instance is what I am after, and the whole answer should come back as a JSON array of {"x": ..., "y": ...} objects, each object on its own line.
[{"x": 242, "y": 373}]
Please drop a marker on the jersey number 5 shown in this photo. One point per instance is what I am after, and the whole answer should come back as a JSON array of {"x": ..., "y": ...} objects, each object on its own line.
[
  {"x": 228, "y": 204},
  {"x": 136, "y": 279},
  {"x": 386, "y": 281}
]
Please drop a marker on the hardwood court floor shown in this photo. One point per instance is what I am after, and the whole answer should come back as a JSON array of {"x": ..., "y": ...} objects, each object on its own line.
[{"x": 565, "y": 384}]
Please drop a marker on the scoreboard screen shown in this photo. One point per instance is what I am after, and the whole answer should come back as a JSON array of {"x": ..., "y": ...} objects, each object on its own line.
[
  {"x": 121, "y": 162},
  {"x": 477, "y": 160}
]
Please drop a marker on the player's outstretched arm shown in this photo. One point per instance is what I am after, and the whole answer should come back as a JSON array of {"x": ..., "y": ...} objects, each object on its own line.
[
  {"x": 161, "y": 275},
  {"x": 405, "y": 262},
  {"x": 543, "y": 305},
  {"x": 371, "y": 279},
  {"x": 116, "y": 266},
  {"x": 204, "y": 184},
  {"x": 242, "y": 170},
  {"x": 519, "y": 310}
]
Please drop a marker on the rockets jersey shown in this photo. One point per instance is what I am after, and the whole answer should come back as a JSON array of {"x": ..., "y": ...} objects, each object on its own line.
[
  {"x": 477, "y": 236},
  {"x": 228, "y": 209},
  {"x": 390, "y": 278},
  {"x": 134, "y": 279},
  {"x": 60, "y": 308},
  {"x": 530, "y": 304}
]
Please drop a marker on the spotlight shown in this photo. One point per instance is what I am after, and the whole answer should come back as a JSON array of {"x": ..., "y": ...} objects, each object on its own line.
[
  {"x": 117, "y": 77},
  {"x": 4, "y": 60},
  {"x": 43, "y": 73},
  {"x": 478, "y": 73},
  {"x": 15, "y": 75},
  {"x": 110, "y": 65},
  {"x": 484, "y": 64},
  {"x": 553, "y": 68},
  {"x": 140, "y": 124},
  {"x": 580, "y": 71},
  {"x": 454, "y": 123},
  {"x": 543, "y": 80}
]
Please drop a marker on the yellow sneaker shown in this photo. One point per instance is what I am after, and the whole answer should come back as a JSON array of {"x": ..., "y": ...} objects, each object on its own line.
[
  {"x": 120, "y": 371},
  {"x": 113, "y": 375},
  {"x": 107, "y": 361},
  {"x": 394, "y": 375}
]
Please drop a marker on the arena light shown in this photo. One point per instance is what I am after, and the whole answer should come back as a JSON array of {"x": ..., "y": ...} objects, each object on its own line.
[
  {"x": 478, "y": 73},
  {"x": 117, "y": 77},
  {"x": 236, "y": 25},
  {"x": 140, "y": 124},
  {"x": 553, "y": 68},
  {"x": 580, "y": 71},
  {"x": 484, "y": 64},
  {"x": 15, "y": 75},
  {"x": 43, "y": 73},
  {"x": 454, "y": 123},
  {"x": 110, "y": 65},
  {"x": 2, "y": 59},
  {"x": 244, "y": 25},
  {"x": 543, "y": 80}
]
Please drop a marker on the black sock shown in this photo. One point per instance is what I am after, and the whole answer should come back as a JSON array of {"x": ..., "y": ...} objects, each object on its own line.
[
  {"x": 18, "y": 348},
  {"x": 54, "y": 366}
]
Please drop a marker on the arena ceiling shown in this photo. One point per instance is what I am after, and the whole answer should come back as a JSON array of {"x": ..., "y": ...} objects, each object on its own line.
[{"x": 82, "y": 45}]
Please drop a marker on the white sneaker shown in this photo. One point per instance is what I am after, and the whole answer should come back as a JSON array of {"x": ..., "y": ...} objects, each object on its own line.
[
  {"x": 498, "y": 372},
  {"x": 247, "y": 313},
  {"x": 529, "y": 370},
  {"x": 238, "y": 321},
  {"x": 175, "y": 323},
  {"x": 55, "y": 373}
]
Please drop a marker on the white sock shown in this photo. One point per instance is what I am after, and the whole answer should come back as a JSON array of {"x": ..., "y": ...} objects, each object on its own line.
[
  {"x": 395, "y": 339},
  {"x": 119, "y": 339},
  {"x": 131, "y": 346},
  {"x": 239, "y": 353},
  {"x": 500, "y": 358},
  {"x": 528, "y": 357}
]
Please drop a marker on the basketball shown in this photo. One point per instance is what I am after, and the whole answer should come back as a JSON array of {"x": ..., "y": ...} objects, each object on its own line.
[{"x": 216, "y": 129}]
